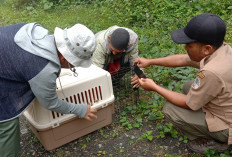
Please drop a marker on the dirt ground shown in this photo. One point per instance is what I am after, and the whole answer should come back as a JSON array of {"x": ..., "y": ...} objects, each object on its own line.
[{"x": 112, "y": 140}]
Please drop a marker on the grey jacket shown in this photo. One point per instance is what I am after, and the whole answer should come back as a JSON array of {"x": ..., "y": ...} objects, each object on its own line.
[{"x": 35, "y": 39}]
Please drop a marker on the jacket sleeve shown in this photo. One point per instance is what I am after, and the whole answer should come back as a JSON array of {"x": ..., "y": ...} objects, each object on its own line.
[
  {"x": 134, "y": 53},
  {"x": 99, "y": 55},
  {"x": 43, "y": 86}
]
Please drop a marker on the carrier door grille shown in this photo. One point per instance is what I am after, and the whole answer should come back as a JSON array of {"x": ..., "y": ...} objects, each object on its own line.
[{"x": 89, "y": 96}]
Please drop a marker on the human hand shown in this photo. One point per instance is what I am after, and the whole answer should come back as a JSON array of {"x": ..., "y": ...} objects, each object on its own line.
[
  {"x": 135, "y": 81},
  {"x": 90, "y": 114},
  {"x": 147, "y": 84},
  {"x": 141, "y": 62}
]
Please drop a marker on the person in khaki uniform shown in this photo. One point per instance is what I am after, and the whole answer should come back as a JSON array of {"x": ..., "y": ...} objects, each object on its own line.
[
  {"x": 117, "y": 47},
  {"x": 204, "y": 111}
]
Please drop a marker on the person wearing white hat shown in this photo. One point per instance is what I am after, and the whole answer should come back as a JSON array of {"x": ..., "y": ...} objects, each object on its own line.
[{"x": 31, "y": 60}]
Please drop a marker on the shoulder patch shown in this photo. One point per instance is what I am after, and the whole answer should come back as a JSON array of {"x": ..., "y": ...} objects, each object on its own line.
[
  {"x": 196, "y": 84},
  {"x": 201, "y": 75}
]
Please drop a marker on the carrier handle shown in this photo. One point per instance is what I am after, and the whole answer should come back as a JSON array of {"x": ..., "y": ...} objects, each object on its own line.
[{"x": 65, "y": 73}]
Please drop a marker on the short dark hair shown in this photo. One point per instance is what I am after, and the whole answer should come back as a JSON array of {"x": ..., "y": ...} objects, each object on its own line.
[
  {"x": 120, "y": 38},
  {"x": 206, "y": 28}
]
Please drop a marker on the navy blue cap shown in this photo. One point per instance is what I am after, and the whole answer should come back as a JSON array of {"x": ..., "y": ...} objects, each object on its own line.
[
  {"x": 120, "y": 38},
  {"x": 206, "y": 28}
]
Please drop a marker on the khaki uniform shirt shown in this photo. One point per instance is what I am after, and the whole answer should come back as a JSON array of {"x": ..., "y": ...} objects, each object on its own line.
[
  {"x": 102, "y": 56},
  {"x": 212, "y": 90}
]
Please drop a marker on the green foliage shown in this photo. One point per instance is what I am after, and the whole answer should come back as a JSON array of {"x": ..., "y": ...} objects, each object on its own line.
[
  {"x": 215, "y": 153},
  {"x": 166, "y": 129},
  {"x": 83, "y": 146},
  {"x": 126, "y": 123},
  {"x": 88, "y": 139},
  {"x": 147, "y": 135},
  {"x": 35, "y": 139},
  {"x": 102, "y": 133},
  {"x": 133, "y": 116},
  {"x": 115, "y": 134},
  {"x": 184, "y": 139},
  {"x": 100, "y": 153}
]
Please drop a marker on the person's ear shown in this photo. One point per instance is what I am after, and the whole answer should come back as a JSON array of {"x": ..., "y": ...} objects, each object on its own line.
[
  {"x": 208, "y": 49},
  {"x": 109, "y": 38},
  {"x": 61, "y": 58}
]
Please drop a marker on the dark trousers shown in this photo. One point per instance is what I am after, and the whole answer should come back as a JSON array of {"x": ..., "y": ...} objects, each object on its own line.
[{"x": 10, "y": 138}]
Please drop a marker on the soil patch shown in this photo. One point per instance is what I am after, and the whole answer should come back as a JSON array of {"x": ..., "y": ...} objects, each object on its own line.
[{"x": 112, "y": 140}]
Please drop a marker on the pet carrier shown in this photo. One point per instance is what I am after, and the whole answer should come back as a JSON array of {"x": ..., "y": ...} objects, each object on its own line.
[{"x": 92, "y": 85}]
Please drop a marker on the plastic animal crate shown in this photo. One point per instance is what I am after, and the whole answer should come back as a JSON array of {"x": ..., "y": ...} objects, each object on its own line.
[{"x": 92, "y": 85}]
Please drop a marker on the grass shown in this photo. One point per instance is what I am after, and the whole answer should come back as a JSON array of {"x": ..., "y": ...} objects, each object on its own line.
[{"x": 59, "y": 17}]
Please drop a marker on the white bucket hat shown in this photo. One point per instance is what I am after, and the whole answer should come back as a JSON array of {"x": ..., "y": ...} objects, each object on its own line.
[{"x": 76, "y": 44}]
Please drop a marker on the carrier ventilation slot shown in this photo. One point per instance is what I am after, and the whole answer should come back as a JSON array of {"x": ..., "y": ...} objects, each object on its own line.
[{"x": 89, "y": 96}]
